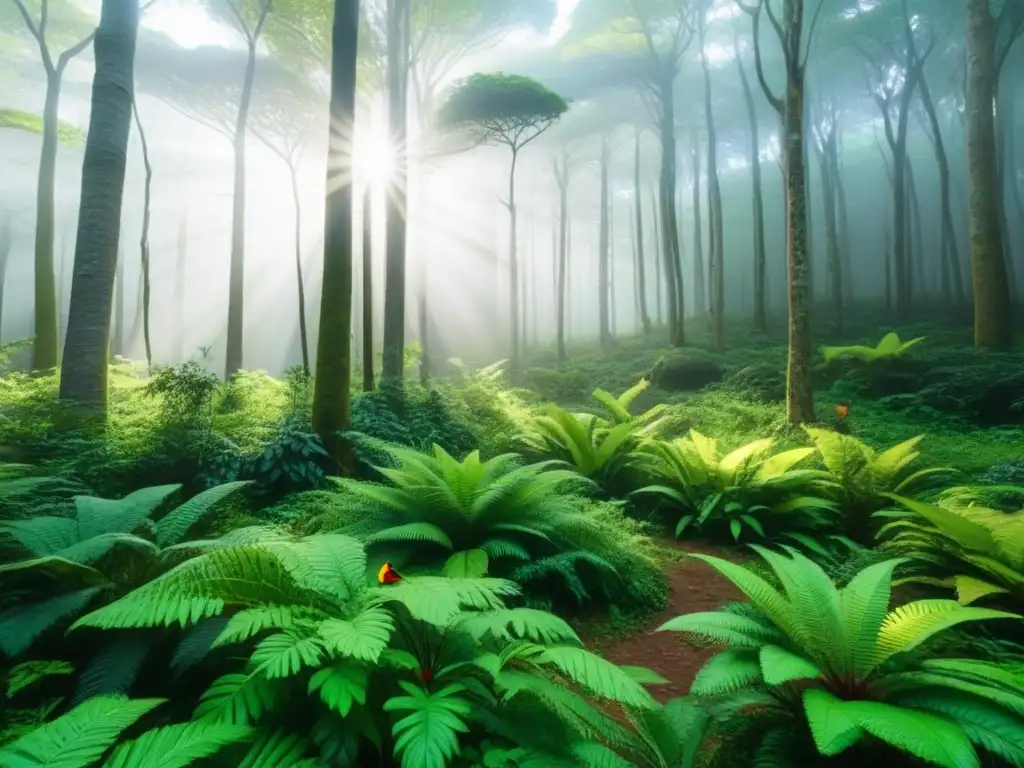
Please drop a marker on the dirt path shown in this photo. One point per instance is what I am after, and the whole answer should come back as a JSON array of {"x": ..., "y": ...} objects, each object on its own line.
[{"x": 693, "y": 586}]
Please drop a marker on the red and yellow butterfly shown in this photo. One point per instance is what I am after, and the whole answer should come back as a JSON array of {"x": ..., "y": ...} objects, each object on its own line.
[
  {"x": 842, "y": 410},
  {"x": 388, "y": 575}
]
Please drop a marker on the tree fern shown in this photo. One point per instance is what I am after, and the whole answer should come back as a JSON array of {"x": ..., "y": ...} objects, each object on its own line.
[{"x": 427, "y": 737}]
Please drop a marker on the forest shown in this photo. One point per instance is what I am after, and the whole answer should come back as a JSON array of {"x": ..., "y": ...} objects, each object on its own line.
[{"x": 511, "y": 383}]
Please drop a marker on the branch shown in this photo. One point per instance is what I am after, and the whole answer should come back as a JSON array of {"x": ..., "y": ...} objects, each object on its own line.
[
  {"x": 37, "y": 33},
  {"x": 755, "y": 14},
  {"x": 810, "y": 32}
]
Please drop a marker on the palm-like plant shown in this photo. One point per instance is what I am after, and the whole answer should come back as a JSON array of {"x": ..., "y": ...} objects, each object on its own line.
[
  {"x": 851, "y": 668},
  {"x": 977, "y": 552},
  {"x": 65, "y": 563},
  {"x": 444, "y": 655},
  {"x": 475, "y": 517},
  {"x": 751, "y": 490},
  {"x": 863, "y": 477},
  {"x": 597, "y": 447}
]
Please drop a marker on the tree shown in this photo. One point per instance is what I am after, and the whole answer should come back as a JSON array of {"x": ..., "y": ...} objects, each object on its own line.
[
  {"x": 644, "y": 41},
  {"x": 789, "y": 30},
  {"x": 638, "y": 230},
  {"x": 333, "y": 381},
  {"x": 5, "y": 252},
  {"x": 989, "y": 39},
  {"x": 510, "y": 110},
  {"x": 83, "y": 377},
  {"x": 562, "y": 171},
  {"x": 144, "y": 237},
  {"x": 284, "y": 124},
  {"x": 395, "y": 222},
  {"x": 716, "y": 231},
  {"x": 47, "y": 333}
]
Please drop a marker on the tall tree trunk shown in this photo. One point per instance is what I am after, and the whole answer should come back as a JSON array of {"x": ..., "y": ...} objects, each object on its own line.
[
  {"x": 47, "y": 332},
  {"x": 513, "y": 267},
  {"x": 888, "y": 265},
  {"x": 299, "y": 282},
  {"x": 667, "y": 204},
  {"x": 659, "y": 282},
  {"x": 333, "y": 380},
  {"x": 952, "y": 279},
  {"x": 603, "y": 319},
  {"x": 699, "y": 289},
  {"x": 83, "y": 377},
  {"x": 638, "y": 229},
  {"x": 1005, "y": 99},
  {"x": 144, "y": 238},
  {"x": 180, "y": 272},
  {"x": 367, "y": 290},
  {"x": 395, "y": 203},
  {"x": 561, "y": 297},
  {"x": 843, "y": 212},
  {"x": 760, "y": 258},
  {"x": 825, "y": 146},
  {"x": 233, "y": 355},
  {"x": 992, "y": 329},
  {"x": 917, "y": 240},
  {"x": 5, "y": 252},
  {"x": 716, "y": 230},
  {"x": 612, "y": 306}
]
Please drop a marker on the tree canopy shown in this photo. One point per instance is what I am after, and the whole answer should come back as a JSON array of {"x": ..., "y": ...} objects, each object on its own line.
[{"x": 500, "y": 108}]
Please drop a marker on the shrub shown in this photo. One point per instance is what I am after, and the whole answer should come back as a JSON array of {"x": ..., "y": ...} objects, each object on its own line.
[{"x": 889, "y": 347}]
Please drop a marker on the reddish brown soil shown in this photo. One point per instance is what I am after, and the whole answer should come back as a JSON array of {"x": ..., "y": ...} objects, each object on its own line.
[{"x": 693, "y": 587}]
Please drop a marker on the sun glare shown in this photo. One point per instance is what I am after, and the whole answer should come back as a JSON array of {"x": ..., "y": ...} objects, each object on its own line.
[{"x": 374, "y": 160}]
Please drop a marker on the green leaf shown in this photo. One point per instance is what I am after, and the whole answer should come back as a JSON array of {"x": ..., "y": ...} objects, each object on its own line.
[
  {"x": 427, "y": 737},
  {"x": 176, "y": 746},
  {"x": 364, "y": 637},
  {"x": 176, "y": 523},
  {"x": 468, "y": 564},
  {"x": 341, "y": 686},
  {"x": 24, "y": 675},
  {"x": 781, "y": 666},
  {"x": 79, "y": 738}
]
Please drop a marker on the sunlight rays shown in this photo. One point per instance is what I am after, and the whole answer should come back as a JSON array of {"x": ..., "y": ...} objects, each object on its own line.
[{"x": 365, "y": 157}]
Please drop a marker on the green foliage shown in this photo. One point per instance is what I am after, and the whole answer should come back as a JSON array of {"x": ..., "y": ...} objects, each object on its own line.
[
  {"x": 482, "y": 517},
  {"x": 68, "y": 134},
  {"x": 109, "y": 545},
  {"x": 975, "y": 551},
  {"x": 752, "y": 491},
  {"x": 303, "y": 620},
  {"x": 853, "y": 668},
  {"x": 889, "y": 347},
  {"x": 500, "y": 108},
  {"x": 862, "y": 478}
]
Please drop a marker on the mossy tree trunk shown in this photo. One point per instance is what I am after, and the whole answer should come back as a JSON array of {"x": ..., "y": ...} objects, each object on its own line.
[{"x": 333, "y": 379}]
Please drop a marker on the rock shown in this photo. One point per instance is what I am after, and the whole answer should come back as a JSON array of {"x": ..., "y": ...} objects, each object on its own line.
[
  {"x": 765, "y": 382},
  {"x": 683, "y": 373}
]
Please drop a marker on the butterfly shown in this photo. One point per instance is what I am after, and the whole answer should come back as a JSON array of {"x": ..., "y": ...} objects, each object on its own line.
[
  {"x": 842, "y": 411},
  {"x": 388, "y": 575}
]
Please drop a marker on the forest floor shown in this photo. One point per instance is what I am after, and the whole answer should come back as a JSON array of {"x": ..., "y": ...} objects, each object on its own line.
[{"x": 693, "y": 587}]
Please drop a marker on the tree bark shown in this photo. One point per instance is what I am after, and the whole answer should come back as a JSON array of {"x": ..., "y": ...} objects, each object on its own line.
[
  {"x": 83, "y": 377},
  {"x": 119, "y": 319},
  {"x": 716, "y": 230},
  {"x": 992, "y": 329},
  {"x": 395, "y": 205},
  {"x": 300, "y": 285},
  {"x": 513, "y": 267},
  {"x": 333, "y": 379},
  {"x": 669, "y": 222}
]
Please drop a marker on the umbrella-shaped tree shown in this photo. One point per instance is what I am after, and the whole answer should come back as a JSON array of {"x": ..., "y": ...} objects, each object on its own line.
[{"x": 513, "y": 110}]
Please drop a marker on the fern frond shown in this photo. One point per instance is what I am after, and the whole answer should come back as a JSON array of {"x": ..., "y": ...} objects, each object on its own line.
[
  {"x": 176, "y": 746},
  {"x": 238, "y": 699},
  {"x": 173, "y": 527},
  {"x": 427, "y": 737},
  {"x": 20, "y": 626},
  {"x": 340, "y": 686}
]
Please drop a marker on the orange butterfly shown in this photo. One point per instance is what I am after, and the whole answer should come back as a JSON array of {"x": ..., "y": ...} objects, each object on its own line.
[
  {"x": 842, "y": 411},
  {"x": 388, "y": 575}
]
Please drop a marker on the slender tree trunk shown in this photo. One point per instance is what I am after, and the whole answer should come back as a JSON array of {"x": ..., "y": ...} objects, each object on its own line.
[
  {"x": 47, "y": 333},
  {"x": 395, "y": 204},
  {"x": 180, "y": 271},
  {"x": 760, "y": 258},
  {"x": 699, "y": 289},
  {"x": 561, "y": 291},
  {"x": 333, "y": 379},
  {"x": 917, "y": 241},
  {"x": 659, "y": 282},
  {"x": 1005, "y": 99},
  {"x": 888, "y": 265},
  {"x": 843, "y": 212},
  {"x": 669, "y": 223},
  {"x": 233, "y": 355},
  {"x": 716, "y": 230},
  {"x": 603, "y": 318},
  {"x": 367, "y": 290},
  {"x": 144, "y": 239},
  {"x": 612, "y": 305},
  {"x": 950, "y": 248},
  {"x": 513, "y": 267},
  {"x": 299, "y": 282},
  {"x": 83, "y": 377},
  {"x": 825, "y": 146},
  {"x": 992, "y": 329},
  {"x": 638, "y": 228}
]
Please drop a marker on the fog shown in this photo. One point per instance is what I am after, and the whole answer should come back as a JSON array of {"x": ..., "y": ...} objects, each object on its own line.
[{"x": 189, "y": 70}]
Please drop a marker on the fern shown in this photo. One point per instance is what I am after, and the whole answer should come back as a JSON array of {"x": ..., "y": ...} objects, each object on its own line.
[
  {"x": 176, "y": 746},
  {"x": 851, "y": 654},
  {"x": 889, "y": 347}
]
